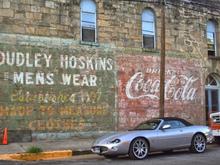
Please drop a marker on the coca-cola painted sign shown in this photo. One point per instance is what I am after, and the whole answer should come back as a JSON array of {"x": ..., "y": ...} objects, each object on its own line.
[{"x": 139, "y": 88}]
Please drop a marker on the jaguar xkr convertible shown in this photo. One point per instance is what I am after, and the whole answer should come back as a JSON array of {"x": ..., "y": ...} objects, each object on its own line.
[{"x": 161, "y": 134}]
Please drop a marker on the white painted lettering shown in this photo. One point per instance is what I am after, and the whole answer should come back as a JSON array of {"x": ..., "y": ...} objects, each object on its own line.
[
  {"x": 40, "y": 78},
  {"x": 139, "y": 87},
  {"x": 28, "y": 60},
  {"x": 76, "y": 78},
  {"x": 49, "y": 79},
  {"x": 37, "y": 60},
  {"x": 18, "y": 78},
  {"x": 109, "y": 64},
  {"x": 10, "y": 59},
  {"x": 102, "y": 63},
  {"x": 93, "y": 79},
  {"x": 20, "y": 60},
  {"x": 82, "y": 64},
  {"x": 84, "y": 81},
  {"x": 48, "y": 59},
  {"x": 89, "y": 64},
  {"x": 2, "y": 58},
  {"x": 66, "y": 79},
  {"x": 72, "y": 62},
  {"x": 63, "y": 61},
  {"x": 29, "y": 78}
]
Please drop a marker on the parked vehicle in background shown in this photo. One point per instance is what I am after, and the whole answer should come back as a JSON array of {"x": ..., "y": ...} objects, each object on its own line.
[
  {"x": 160, "y": 134},
  {"x": 215, "y": 125}
]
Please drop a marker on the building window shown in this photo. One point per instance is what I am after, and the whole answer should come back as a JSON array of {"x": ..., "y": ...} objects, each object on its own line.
[
  {"x": 211, "y": 38},
  {"x": 148, "y": 29},
  {"x": 212, "y": 94},
  {"x": 88, "y": 20}
]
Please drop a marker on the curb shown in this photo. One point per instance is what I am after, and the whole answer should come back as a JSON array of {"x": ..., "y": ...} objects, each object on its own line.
[
  {"x": 49, "y": 155},
  {"x": 81, "y": 152}
]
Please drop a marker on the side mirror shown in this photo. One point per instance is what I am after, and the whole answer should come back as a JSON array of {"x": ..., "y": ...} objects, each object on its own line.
[{"x": 166, "y": 126}]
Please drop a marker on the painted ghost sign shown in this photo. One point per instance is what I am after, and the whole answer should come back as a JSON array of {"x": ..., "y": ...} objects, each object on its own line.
[
  {"x": 50, "y": 90},
  {"x": 43, "y": 60},
  {"x": 139, "y": 89}
]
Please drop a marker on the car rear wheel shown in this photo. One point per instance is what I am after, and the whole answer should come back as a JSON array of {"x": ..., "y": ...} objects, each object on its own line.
[
  {"x": 138, "y": 149},
  {"x": 198, "y": 144}
]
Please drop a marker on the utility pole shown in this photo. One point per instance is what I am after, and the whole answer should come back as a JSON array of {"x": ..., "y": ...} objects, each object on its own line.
[{"x": 162, "y": 59}]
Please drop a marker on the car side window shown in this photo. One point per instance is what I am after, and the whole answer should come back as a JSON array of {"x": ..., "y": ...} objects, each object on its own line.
[
  {"x": 181, "y": 124},
  {"x": 175, "y": 124}
]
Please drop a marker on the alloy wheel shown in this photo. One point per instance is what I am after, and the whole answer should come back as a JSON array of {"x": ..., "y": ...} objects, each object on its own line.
[
  {"x": 139, "y": 149},
  {"x": 198, "y": 143}
]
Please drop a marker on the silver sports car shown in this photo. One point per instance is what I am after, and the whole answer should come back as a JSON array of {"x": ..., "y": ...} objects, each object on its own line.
[{"x": 161, "y": 134}]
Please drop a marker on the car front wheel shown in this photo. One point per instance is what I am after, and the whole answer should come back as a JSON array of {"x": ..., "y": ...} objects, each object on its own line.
[
  {"x": 198, "y": 144},
  {"x": 138, "y": 149}
]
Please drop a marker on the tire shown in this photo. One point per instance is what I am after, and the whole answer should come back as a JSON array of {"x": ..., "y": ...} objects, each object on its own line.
[
  {"x": 139, "y": 149},
  {"x": 198, "y": 144}
]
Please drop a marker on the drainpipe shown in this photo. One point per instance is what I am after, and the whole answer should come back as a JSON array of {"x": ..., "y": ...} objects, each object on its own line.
[{"x": 162, "y": 59}]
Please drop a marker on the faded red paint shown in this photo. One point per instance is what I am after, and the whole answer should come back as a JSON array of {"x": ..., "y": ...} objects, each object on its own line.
[{"x": 138, "y": 92}]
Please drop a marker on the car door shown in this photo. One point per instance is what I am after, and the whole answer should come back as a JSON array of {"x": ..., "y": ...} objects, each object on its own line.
[{"x": 174, "y": 137}]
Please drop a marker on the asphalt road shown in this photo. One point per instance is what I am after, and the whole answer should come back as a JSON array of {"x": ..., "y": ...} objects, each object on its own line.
[{"x": 184, "y": 157}]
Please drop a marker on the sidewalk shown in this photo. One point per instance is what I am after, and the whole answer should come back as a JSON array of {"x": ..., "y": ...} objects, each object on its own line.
[{"x": 78, "y": 146}]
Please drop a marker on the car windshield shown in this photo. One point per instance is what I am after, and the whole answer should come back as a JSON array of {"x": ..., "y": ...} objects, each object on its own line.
[{"x": 148, "y": 125}]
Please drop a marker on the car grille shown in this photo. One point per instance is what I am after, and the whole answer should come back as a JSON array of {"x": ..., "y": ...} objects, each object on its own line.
[{"x": 101, "y": 148}]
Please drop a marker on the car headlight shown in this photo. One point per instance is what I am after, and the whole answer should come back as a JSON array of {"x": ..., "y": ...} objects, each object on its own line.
[{"x": 115, "y": 141}]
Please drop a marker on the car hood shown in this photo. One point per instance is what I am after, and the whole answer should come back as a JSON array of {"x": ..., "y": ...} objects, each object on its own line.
[
  {"x": 109, "y": 137},
  {"x": 128, "y": 135}
]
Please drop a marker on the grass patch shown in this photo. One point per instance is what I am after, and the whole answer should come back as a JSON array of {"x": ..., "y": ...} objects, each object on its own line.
[{"x": 34, "y": 149}]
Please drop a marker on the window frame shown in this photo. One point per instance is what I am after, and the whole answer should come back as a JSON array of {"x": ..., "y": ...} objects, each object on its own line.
[
  {"x": 214, "y": 24},
  {"x": 81, "y": 21},
  {"x": 209, "y": 88},
  {"x": 154, "y": 27}
]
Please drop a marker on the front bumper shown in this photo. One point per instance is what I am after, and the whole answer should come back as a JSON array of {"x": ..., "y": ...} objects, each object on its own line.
[
  {"x": 110, "y": 149},
  {"x": 210, "y": 138}
]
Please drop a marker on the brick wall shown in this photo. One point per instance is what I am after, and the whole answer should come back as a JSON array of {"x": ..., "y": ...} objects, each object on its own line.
[
  {"x": 51, "y": 82},
  {"x": 139, "y": 93}
]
